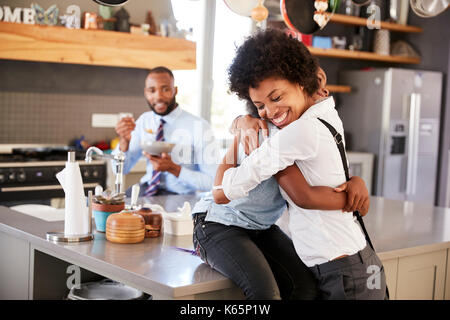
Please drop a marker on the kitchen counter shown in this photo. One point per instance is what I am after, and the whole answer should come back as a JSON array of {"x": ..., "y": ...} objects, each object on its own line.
[
  {"x": 397, "y": 229},
  {"x": 153, "y": 266}
]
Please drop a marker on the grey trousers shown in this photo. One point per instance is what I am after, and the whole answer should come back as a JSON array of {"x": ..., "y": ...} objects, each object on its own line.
[{"x": 357, "y": 277}]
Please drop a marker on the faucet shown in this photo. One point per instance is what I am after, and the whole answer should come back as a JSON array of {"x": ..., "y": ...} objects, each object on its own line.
[{"x": 119, "y": 157}]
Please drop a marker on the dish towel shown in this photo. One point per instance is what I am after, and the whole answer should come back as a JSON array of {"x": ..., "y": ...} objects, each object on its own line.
[{"x": 153, "y": 184}]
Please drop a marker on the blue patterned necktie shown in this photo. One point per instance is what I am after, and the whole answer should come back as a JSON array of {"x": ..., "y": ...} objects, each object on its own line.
[{"x": 153, "y": 184}]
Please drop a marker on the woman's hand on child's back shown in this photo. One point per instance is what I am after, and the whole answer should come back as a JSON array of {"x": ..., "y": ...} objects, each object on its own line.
[
  {"x": 357, "y": 195},
  {"x": 248, "y": 128}
]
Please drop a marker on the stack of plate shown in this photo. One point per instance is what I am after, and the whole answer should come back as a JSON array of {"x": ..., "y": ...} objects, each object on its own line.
[{"x": 125, "y": 227}]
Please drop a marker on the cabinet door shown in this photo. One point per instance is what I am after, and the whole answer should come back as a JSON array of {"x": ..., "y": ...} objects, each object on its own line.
[
  {"x": 14, "y": 267},
  {"x": 422, "y": 277},
  {"x": 447, "y": 281},
  {"x": 390, "y": 269}
]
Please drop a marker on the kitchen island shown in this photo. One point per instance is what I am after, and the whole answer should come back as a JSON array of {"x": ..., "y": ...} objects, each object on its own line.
[{"x": 412, "y": 239}]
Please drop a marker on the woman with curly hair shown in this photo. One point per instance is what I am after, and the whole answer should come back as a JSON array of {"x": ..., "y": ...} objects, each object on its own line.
[
  {"x": 241, "y": 240},
  {"x": 279, "y": 78}
]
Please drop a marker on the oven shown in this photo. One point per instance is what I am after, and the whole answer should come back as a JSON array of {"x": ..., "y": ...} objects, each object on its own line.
[{"x": 29, "y": 176}]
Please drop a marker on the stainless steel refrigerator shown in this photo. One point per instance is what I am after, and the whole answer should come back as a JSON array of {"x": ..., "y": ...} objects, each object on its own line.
[{"x": 394, "y": 114}]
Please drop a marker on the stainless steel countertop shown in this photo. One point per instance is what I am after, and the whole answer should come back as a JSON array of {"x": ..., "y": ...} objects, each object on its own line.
[
  {"x": 397, "y": 229},
  {"x": 153, "y": 266}
]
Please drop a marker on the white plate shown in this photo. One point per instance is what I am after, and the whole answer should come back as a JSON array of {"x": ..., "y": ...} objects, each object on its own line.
[{"x": 155, "y": 148}]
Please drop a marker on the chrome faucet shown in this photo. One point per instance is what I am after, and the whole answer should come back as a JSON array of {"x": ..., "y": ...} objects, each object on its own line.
[{"x": 94, "y": 152}]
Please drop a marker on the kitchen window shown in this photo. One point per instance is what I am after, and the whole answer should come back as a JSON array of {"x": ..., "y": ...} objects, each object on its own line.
[
  {"x": 188, "y": 22},
  {"x": 230, "y": 31}
]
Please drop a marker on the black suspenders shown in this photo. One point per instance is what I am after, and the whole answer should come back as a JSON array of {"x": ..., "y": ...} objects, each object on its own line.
[{"x": 338, "y": 139}]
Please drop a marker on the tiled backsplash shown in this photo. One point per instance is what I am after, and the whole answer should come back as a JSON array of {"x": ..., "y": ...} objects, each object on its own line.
[
  {"x": 59, "y": 118},
  {"x": 53, "y": 103}
]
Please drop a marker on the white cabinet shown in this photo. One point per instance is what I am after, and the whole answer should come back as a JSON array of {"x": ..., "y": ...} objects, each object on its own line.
[
  {"x": 14, "y": 267},
  {"x": 390, "y": 269},
  {"x": 422, "y": 277}
]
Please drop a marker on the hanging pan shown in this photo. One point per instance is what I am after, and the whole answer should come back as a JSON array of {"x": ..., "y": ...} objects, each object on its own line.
[
  {"x": 111, "y": 3},
  {"x": 298, "y": 15}
]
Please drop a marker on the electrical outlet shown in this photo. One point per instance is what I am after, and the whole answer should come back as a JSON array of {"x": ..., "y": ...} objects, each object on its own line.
[{"x": 104, "y": 120}]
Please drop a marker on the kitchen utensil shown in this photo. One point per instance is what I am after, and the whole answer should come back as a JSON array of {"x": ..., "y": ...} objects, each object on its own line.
[
  {"x": 351, "y": 9},
  {"x": 398, "y": 11},
  {"x": 155, "y": 148},
  {"x": 242, "y": 8},
  {"x": 90, "y": 211},
  {"x": 300, "y": 15},
  {"x": 259, "y": 13},
  {"x": 104, "y": 290},
  {"x": 429, "y": 8},
  {"x": 111, "y": 3},
  {"x": 134, "y": 196},
  {"x": 125, "y": 227},
  {"x": 361, "y": 2},
  {"x": 98, "y": 190}
]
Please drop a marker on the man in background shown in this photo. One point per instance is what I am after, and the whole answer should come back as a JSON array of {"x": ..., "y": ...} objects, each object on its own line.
[{"x": 167, "y": 122}]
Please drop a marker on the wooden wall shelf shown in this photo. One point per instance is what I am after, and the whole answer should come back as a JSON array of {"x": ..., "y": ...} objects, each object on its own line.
[
  {"x": 339, "y": 88},
  {"x": 357, "y": 21},
  {"x": 93, "y": 47},
  {"x": 361, "y": 55}
]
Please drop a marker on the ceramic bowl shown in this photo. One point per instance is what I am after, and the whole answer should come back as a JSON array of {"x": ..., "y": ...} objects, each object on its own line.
[{"x": 155, "y": 148}]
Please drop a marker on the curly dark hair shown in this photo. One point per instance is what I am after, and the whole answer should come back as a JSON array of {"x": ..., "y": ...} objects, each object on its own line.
[{"x": 271, "y": 53}]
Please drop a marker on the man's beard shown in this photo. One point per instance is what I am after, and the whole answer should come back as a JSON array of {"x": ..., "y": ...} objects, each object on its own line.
[{"x": 170, "y": 107}]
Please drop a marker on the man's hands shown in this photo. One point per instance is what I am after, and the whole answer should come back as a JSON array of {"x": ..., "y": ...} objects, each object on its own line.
[
  {"x": 163, "y": 163},
  {"x": 248, "y": 128},
  {"x": 357, "y": 195},
  {"x": 124, "y": 128}
]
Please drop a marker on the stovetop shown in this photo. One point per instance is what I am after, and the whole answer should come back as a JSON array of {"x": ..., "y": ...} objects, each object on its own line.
[{"x": 40, "y": 154}]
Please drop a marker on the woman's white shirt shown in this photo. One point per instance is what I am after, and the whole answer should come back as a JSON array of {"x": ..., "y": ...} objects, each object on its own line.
[{"x": 318, "y": 235}]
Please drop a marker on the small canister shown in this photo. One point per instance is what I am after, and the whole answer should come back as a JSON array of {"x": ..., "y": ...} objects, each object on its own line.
[
  {"x": 125, "y": 227},
  {"x": 381, "y": 43},
  {"x": 153, "y": 222},
  {"x": 90, "y": 20}
]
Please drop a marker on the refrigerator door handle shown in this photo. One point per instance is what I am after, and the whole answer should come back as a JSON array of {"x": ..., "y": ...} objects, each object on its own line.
[{"x": 413, "y": 143}]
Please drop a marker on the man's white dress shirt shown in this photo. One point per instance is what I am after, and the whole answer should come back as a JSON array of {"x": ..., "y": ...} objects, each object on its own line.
[{"x": 192, "y": 136}]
